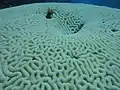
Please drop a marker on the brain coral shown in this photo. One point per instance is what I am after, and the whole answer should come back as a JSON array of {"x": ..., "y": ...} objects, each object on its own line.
[{"x": 77, "y": 48}]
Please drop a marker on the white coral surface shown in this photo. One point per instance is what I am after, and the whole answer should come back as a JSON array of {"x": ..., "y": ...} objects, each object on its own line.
[{"x": 77, "y": 49}]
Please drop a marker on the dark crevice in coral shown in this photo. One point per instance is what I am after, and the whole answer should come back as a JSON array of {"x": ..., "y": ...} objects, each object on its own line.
[
  {"x": 80, "y": 26},
  {"x": 114, "y": 30},
  {"x": 77, "y": 29},
  {"x": 95, "y": 53},
  {"x": 76, "y": 57}
]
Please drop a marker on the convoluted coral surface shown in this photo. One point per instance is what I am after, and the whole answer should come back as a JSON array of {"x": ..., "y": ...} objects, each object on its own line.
[{"x": 76, "y": 48}]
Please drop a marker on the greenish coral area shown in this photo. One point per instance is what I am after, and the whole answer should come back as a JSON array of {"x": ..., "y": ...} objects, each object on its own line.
[{"x": 70, "y": 51}]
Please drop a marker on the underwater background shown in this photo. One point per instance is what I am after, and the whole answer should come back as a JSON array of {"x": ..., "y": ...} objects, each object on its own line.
[
  {"x": 61, "y": 45},
  {"x": 108, "y": 3}
]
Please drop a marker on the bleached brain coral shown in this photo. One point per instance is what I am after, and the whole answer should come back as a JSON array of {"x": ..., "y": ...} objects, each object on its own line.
[{"x": 76, "y": 47}]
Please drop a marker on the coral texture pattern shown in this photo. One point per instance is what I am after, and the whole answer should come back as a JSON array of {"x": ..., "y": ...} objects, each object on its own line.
[{"x": 51, "y": 46}]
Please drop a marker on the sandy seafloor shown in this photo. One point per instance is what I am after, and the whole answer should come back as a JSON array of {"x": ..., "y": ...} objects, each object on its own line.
[{"x": 77, "y": 48}]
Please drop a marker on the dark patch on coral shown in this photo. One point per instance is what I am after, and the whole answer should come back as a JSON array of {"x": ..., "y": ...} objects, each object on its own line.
[
  {"x": 80, "y": 26},
  {"x": 114, "y": 30},
  {"x": 70, "y": 23},
  {"x": 76, "y": 57},
  {"x": 49, "y": 13},
  {"x": 95, "y": 53}
]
